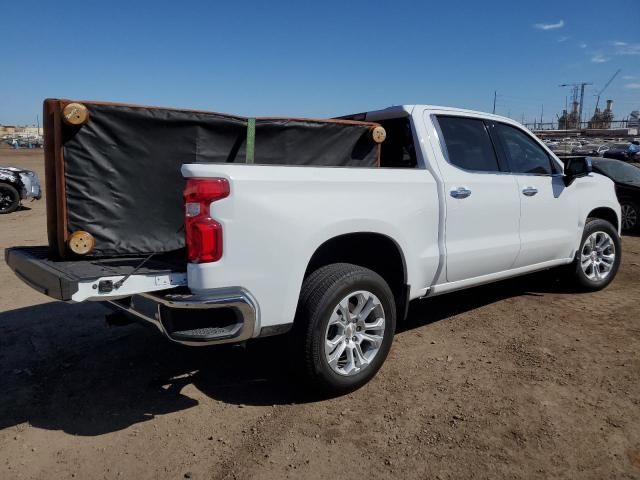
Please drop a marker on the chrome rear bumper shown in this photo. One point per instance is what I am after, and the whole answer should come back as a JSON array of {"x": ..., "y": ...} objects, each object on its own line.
[{"x": 220, "y": 316}]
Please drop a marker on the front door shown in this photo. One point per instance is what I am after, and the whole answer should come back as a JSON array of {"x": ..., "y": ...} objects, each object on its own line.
[{"x": 548, "y": 220}]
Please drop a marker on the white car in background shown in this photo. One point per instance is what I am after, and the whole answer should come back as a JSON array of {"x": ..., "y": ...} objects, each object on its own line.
[{"x": 17, "y": 184}]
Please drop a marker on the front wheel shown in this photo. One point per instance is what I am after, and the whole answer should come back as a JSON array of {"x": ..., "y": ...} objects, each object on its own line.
[
  {"x": 344, "y": 326},
  {"x": 598, "y": 259}
]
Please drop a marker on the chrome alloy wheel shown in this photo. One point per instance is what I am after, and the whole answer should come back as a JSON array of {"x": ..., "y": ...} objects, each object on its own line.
[
  {"x": 355, "y": 333},
  {"x": 629, "y": 217},
  {"x": 597, "y": 256}
]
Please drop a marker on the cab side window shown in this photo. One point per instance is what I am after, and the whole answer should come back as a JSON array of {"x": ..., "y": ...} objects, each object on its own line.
[
  {"x": 467, "y": 144},
  {"x": 523, "y": 153}
]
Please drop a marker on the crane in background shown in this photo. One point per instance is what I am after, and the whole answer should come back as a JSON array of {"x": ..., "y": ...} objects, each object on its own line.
[
  {"x": 605, "y": 118},
  {"x": 605, "y": 87}
]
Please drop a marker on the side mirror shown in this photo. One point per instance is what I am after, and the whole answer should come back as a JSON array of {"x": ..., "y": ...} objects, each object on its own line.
[{"x": 576, "y": 168}]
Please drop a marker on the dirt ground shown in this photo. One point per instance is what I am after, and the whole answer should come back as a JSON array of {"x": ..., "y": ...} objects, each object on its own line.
[{"x": 520, "y": 379}]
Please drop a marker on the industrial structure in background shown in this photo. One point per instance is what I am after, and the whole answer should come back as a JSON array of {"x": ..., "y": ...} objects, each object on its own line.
[
  {"x": 602, "y": 119},
  {"x": 570, "y": 121},
  {"x": 601, "y": 122},
  {"x": 574, "y": 119}
]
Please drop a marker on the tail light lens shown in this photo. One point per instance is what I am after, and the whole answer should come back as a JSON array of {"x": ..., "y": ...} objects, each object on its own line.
[{"x": 203, "y": 234}]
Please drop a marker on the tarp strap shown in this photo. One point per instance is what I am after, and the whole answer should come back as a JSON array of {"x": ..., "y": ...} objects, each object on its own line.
[{"x": 251, "y": 140}]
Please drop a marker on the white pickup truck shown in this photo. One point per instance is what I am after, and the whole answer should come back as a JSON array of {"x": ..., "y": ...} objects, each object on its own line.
[{"x": 332, "y": 256}]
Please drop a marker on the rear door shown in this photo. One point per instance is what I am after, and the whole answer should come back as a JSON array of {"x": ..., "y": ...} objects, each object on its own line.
[
  {"x": 481, "y": 200},
  {"x": 548, "y": 219}
]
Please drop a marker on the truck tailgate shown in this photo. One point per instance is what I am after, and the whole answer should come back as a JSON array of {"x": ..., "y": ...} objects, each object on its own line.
[{"x": 94, "y": 279}]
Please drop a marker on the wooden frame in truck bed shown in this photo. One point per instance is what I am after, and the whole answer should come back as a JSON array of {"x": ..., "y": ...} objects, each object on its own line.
[{"x": 113, "y": 170}]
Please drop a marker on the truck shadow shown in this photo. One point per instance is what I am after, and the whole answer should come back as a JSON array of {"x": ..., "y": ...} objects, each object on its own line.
[{"x": 62, "y": 368}]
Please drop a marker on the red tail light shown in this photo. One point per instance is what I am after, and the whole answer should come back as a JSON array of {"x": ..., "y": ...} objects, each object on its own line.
[{"x": 202, "y": 233}]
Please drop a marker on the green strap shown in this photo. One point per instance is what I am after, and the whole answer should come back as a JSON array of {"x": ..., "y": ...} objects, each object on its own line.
[{"x": 251, "y": 140}]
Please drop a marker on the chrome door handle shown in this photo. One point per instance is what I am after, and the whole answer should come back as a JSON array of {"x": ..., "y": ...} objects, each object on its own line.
[
  {"x": 460, "y": 192},
  {"x": 530, "y": 191}
]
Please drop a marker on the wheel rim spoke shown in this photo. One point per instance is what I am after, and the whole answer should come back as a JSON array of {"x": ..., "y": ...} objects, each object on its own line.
[
  {"x": 375, "y": 340},
  {"x": 359, "y": 358},
  {"x": 350, "y": 365},
  {"x": 343, "y": 308},
  {"x": 333, "y": 343},
  {"x": 336, "y": 354},
  {"x": 586, "y": 262},
  {"x": 335, "y": 319},
  {"x": 377, "y": 324},
  {"x": 367, "y": 308},
  {"x": 604, "y": 243},
  {"x": 608, "y": 259}
]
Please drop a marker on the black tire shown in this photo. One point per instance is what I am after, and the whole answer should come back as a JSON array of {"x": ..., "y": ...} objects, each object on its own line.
[
  {"x": 630, "y": 216},
  {"x": 9, "y": 198},
  {"x": 320, "y": 295},
  {"x": 580, "y": 277}
]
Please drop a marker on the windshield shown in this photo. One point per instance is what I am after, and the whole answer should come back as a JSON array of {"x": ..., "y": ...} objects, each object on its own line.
[{"x": 620, "y": 171}]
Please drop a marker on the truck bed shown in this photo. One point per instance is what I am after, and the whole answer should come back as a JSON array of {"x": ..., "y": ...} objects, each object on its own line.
[{"x": 60, "y": 279}]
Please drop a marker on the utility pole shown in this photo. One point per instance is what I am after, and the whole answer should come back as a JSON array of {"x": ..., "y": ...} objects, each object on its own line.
[
  {"x": 495, "y": 94},
  {"x": 541, "y": 112}
]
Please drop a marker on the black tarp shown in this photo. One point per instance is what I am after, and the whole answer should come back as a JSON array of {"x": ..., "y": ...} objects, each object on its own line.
[{"x": 122, "y": 180}]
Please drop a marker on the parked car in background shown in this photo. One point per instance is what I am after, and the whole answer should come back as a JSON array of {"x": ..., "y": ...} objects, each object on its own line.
[
  {"x": 620, "y": 151},
  {"x": 627, "y": 180},
  {"x": 601, "y": 150},
  {"x": 586, "y": 149},
  {"x": 25, "y": 142},
  {"x": 562, "y": 149},
  {"x": 16, "y": 185}
]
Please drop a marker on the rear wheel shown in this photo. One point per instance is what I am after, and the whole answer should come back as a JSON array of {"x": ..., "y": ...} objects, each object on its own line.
[
  {"x": 630, "y": 216},
  {"x": 9, "y": 198},
  {"x": 344, "y": 326},
  {"x": 598, "y": 259}
]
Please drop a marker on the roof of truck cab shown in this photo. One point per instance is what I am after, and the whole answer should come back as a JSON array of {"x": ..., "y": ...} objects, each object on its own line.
[{"x": 405, "y": 110}]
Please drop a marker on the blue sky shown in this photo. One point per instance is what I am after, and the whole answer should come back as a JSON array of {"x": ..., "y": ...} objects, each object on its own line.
[{"x": 318, "y": 58}]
